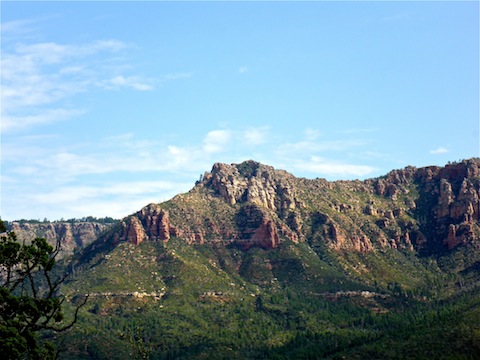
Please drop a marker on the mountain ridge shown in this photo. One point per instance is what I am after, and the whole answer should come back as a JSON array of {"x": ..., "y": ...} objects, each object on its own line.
[
  {"x": 70, "y": 235},
  {"x": 258, "y": 205},
  {"x": 254, "y": 263}
]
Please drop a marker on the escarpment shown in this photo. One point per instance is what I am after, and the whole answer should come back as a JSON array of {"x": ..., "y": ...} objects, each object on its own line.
[
  {"x": 251, "y": 204},
  {"x": 69, "y": 235}
]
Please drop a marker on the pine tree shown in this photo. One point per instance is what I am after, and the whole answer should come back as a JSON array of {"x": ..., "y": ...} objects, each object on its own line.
[{"x": 29, "y": 297}]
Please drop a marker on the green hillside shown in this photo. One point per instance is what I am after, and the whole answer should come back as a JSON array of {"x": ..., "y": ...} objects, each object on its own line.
[{"x": 172, "y": 301}]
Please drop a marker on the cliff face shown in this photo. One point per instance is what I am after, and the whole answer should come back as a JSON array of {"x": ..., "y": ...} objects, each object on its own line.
[
  {"x": 151, "y": 223},
  {"x": 70, "y": 235},
  {"x": 247, "y": 203},
  {"x": 428, "y": 209},
  {"x": 254, "y": 183},
  {"x": 453, "y": 192}
]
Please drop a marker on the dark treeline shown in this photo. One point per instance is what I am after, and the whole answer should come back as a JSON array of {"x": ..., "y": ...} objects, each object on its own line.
[{"x": 92, "y": 219}]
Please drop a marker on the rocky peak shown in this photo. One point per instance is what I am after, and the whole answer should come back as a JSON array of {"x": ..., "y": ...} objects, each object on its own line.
[
  {"x": 428, "y": 209},
  {"x": 254, "y": 183}
]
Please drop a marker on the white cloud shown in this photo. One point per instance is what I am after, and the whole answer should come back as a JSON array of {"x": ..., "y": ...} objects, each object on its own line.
[
  {"x": 323, "y": 167},
  {"x": 216, "y": 141},
  {"x": 120, "y": 174},
  {"x": 133, "y": 82},
  {"x": 124, "y": 189},
  {"x": 101, "y": 179},
  {"x": 439, "y": 150},
  {"x": 37, "y": 79},
  {"x": 176, "y": 76},
  {"x": 312, "y": 156},
  {"x": 16, "y": 26},
  {"x": 179, "y": 157},
  {"x": 122, "y": 138},
  {"x": 102, "y": 45},
  {"x": 73, "y": 69},
  {"x": 372, "y": 155},
  {"x": 44, "y": 53},
  {"x": 25, "y": 170},
  {"x": 122, "y": 154},
  {"x": 46, "y": 117},
  {"x": 312, "y": 134},
  {"x": 52, "y": 53},
  {"x": 114, "y": 200},
  {"x": 309, "y": 146},
  {"x": 242, "y": 69},
  {"x": 255, "y": 136}
]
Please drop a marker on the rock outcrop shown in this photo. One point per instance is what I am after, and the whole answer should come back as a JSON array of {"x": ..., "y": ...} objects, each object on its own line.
[
  {"x": 70, "y": 235},
  {"x": 457, "y": 211},
  {"x": 444, "y": 205},
  {"x": 135, "y": 233},
  {"x": 150, "y": 223},
  {"x": 256, "y": 227},
  {"x": 428, "y": 209},
  {"x": 254, "y": 183}
]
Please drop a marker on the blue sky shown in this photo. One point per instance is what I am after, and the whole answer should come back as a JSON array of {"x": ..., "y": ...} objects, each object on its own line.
[{"x": 109, "y": 106}]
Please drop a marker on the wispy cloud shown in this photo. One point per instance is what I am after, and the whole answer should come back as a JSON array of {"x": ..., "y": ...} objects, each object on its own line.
[
  {"x": 317, "y": 155},
  {"x": 13, "y": 25},
  {"x": 138, "y": 155},
  {"x": 69, "y": 181},
  {"x": 439, "y": 150},
  {"x": 312, "y": 134},
  {"x": 47, "y": 116},
  {"x": 324, "y": 167},
  {"x": 133, "y": 82},
  {"x": 23, "y": 26},
  {"x": 115, "y": 200},
  {"x": 54, "y": 53},
  {"x": 37, "y": 78},
  {"x": 359, "y": 130},
  {"x": 216, "y": 141},
  {"x": 309, "y": 145},
  {"x": 255, "y": 136},
  {"x": 123, "y": 189},
  {"x": 176, "y": 76}
]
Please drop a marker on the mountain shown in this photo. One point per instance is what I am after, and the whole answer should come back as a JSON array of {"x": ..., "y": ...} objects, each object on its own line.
[
  {"x": 256, "y": 263},
  {"x": 427, "y": 210},
  {"x": 70, "y": 235}
]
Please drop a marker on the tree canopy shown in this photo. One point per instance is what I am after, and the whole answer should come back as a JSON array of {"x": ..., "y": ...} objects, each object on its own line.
[{"x": 30, "y": 301}]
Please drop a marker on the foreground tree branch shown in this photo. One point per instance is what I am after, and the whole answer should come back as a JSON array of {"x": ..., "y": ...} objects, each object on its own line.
[{"x": 29, "y": 297}]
